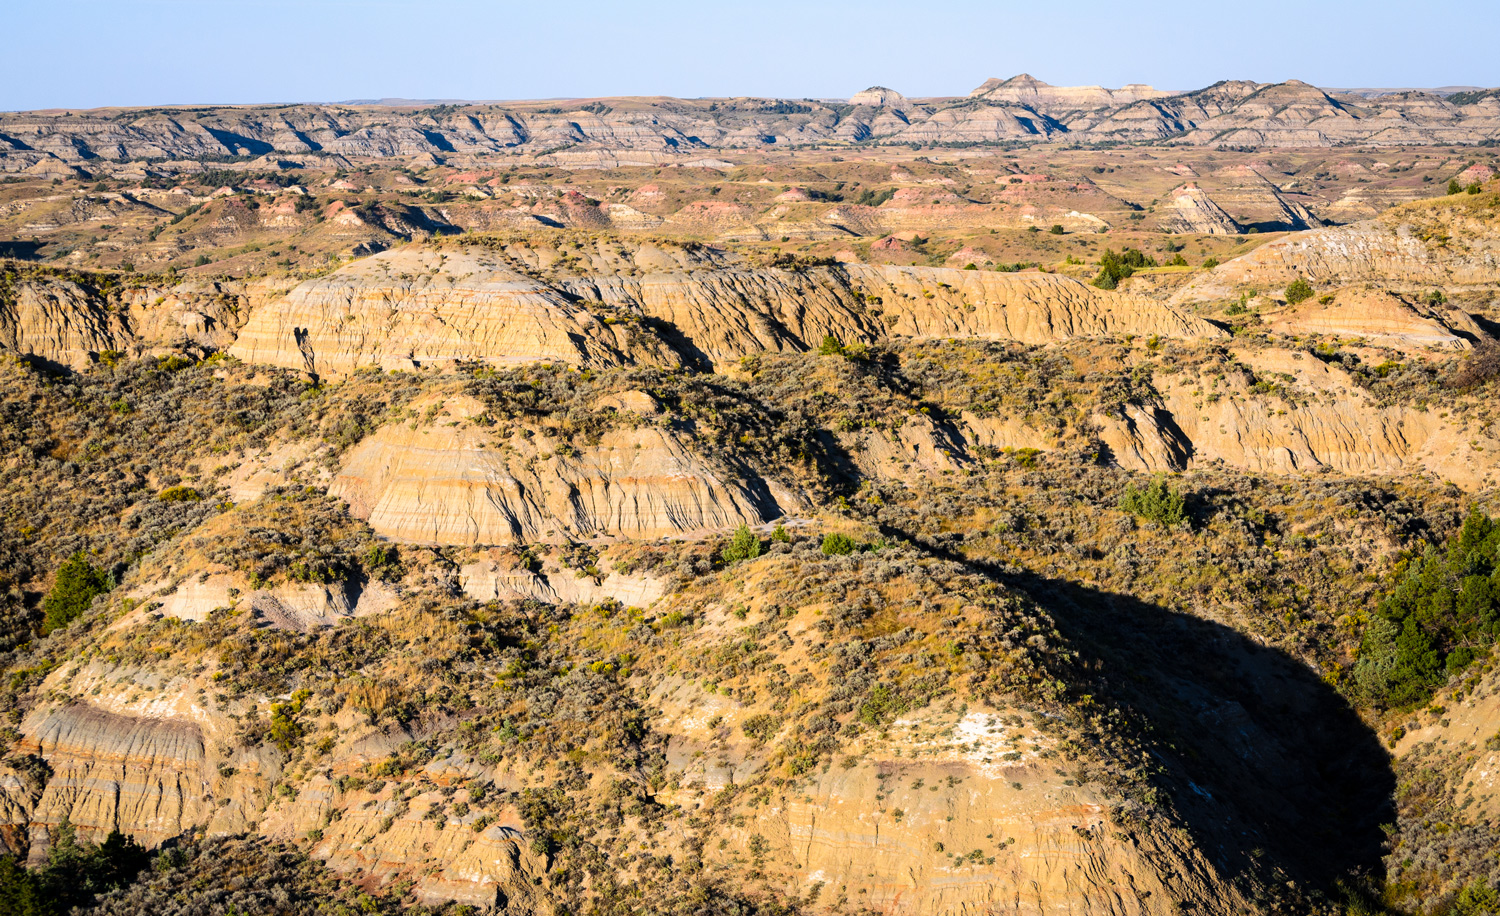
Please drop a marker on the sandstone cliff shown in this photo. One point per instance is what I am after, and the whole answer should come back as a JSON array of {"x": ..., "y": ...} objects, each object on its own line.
[
  {"x": 454, "y": 482},
  {"x": 1446, "y": 242},
  {"x": 418, "y": 306},
  {"x": 421, "y": 306},
  {"x": 58, "y": 320},
  {"x": 1196, "y": 212}
]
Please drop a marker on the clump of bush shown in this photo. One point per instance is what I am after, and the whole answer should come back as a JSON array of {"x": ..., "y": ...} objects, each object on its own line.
[
  {"x": 1442, "y": 615},
  {"x": 78, "y": 584},
  {"x": 1116, "y": 267},
  {"x": 1155, "y": 502},
  {"x": 761, "y": 728},
  {"x": 836, "y": 544},
  {"x": 1299, "y": 290},
  {"x": 1481, "y": 367},
  {"x": 743, "y": 546},
  {"x": 286, "y": 731}
]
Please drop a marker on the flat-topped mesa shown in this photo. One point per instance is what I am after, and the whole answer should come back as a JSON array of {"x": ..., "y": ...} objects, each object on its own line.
[
  {"x": 879, "y": 97},
  {"x": 1027, "y": 90},
  {"x": 418, "y": 306}
]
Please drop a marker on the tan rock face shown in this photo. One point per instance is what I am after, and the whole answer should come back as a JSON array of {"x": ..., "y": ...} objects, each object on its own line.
[
  {"x": 1194, "y": 211},
  {"x": 726, "y": 314},
  {"x": 290, "y": 606},
  {"x": 879, "y": 97},
  {"x": 488, "y": 578},
  {"x": 56, "y": 320},
  {"x": 1409, "y": 248},
  {"x": 375, "y": 835},
  {"x": 422, "y": 305},
  {"x": 1383, "y": 318},
  {"x": 416, "y": 306},
  {"x": 455, "y": 484},
  {"x": 1027, "y": 90},
  {"x": 1327, "y": 422},
  {"x": 1032, "y": 308},
  {"x": 151, "y": 763}
]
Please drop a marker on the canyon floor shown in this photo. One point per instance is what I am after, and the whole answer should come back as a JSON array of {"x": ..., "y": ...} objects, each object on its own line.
[{"x": 920, "y": 527}]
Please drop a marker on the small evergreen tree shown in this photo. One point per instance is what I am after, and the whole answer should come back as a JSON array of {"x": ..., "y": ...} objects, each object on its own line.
[
  {"x": 743, "y": 546},
  {"x": 1453, "y": 186},
  {"x": 78, "y": 583},
  {"x": 837, "y": 545},
  {"x": 1299, "y": 290},
  {"x": 1116, "y": 267},
  {"x": 1155, "y": 502}
]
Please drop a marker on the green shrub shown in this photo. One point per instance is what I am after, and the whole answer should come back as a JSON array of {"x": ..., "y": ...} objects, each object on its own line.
[
  {"x": 836, "y": 544},
  {"x": 882, "y": 706},
  {"x": 830, "y": 347},
  {"x": 74, "y": 874},
  {"x": 78, "y": 583},
  {"x": 743, "y": 546},
  {"x": 1441, "y": 616},
  {"x": 1453, "y": 186},
  {"x": 761, "y": 728},
  {"x": 1210, "y": 264},
  {"x": 780, "y": 535},
  {"x": 1116, "y": 267},
  {"x": 179, "y": 495},
  {"x": 1476, "y": 899},
  {"x": 1155, "y": 502},
  {"x": 286, "y": 731},
  {"x": 384, "y": 562},
  {"x": 1298, "y": 291},
  {"x": 1025, "y": 457},
  {"x": 1057, "y": 229}
]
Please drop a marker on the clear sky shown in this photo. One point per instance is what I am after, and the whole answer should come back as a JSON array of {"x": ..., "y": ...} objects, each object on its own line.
[{"x": 85, "y": 53}]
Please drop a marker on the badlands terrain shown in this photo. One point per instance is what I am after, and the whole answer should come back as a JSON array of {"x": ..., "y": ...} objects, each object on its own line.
[{"x": 1055, "y": 500}]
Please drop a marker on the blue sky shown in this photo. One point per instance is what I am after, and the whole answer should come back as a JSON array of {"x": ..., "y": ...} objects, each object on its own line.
[{"x": 84, "y": 53}]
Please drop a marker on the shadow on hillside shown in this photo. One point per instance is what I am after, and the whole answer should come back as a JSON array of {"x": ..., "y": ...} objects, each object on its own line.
[
  {"x": 1269, "y": 767},
  {"x": 21, "y": 251}
]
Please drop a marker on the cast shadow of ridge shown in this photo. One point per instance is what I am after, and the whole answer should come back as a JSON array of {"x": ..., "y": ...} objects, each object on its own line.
[
  {"x": 1271, "y": 771},
  {"x": 1267, "y": 764}
]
